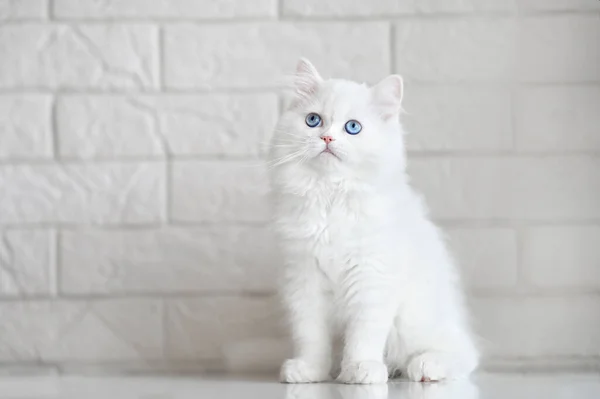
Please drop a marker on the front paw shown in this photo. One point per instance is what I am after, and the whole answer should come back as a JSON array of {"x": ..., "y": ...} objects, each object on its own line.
[
  {"x": 428, "y": 366},
  {"x": 367, "y": 372},
  {"x": 297, "y": 371}
]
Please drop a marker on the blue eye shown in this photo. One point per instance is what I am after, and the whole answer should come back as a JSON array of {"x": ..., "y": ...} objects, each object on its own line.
[
  {"x": 313, "y": 120},
  {"x": 353, "y": 127}
]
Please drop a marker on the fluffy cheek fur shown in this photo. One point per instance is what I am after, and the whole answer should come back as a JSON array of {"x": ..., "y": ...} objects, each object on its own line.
[
  {"x": 363, "y": 263},
  {"x": 294, "y": 142}
]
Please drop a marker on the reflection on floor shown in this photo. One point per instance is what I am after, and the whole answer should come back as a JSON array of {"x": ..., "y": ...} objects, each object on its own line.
[{"x": 484, "y": 386}]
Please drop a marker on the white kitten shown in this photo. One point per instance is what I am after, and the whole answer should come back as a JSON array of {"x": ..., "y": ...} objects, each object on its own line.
[{"x": 363, "y": 262}]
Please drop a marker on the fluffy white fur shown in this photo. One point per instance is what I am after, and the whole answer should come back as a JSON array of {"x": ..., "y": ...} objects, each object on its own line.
[{"x": 363, "y": 262}]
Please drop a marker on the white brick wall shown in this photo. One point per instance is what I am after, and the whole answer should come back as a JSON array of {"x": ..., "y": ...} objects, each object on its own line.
[{"x": 132, "y": 209}]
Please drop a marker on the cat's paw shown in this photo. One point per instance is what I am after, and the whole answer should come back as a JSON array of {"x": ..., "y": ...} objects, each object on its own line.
[
  {"x": 367, "y": 372},
  {"x": 298, "y": 371},
  {"x": 428, "y": 366}
]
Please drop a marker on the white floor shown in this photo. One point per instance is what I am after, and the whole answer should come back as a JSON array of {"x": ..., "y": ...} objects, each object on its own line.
[{"x": 505, "y": 386}]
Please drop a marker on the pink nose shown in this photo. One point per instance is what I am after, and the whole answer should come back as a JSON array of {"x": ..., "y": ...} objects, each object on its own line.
[{"x": 327, "y": 139}]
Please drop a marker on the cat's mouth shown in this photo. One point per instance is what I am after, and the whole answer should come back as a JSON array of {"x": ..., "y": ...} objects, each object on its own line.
[{"x": 327, "y": 150}]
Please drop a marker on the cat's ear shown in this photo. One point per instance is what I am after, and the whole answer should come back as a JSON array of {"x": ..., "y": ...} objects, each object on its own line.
[
  {"x": 387, "y": 96},
  {"x": 306, "y": 79}
]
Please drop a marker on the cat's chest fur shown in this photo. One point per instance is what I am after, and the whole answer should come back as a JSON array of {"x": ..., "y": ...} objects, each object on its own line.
[
  {"x": 321, "y": 212},
  {"x": 330, "y": 222}
]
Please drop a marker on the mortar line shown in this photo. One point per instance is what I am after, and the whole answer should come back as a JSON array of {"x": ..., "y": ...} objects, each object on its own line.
[
  {"x": 392, "y": 49},
  {"x": 481, "y": 223},
  {"x": 168, "y": 196},
  {"x": 473, "y": 293},
  {"x": 55, "y": 268},
  {"x": 165, "y": 332},
  {"x": 274, "y": 89},
  {"x": 253, "y": 161},
  {"x": 55, "y": 148},
  {"x": 513, "y": 109},
  {"x": 160, "y": 65},
  {"x": 222, "y": 20},
  {"x": 143, "y": 295},
  {"x": 523, "y": 283},
  {"x": 168, "y": 156}
]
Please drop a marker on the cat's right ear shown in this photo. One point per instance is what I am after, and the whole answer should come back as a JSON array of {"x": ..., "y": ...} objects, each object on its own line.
[
  {"x": 306, "y": 79},
  {"x": 387, "y": 96}
]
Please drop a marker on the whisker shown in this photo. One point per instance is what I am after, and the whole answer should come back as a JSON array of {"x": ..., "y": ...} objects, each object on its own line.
[
  {"x": 286, "y": 159},
  {"x": 283, "y": 157},
  {"x": 285, "y": 145},
  {"x": 291, "y": 142},
  {"x": 304, "y": 158},
  {"x": 286, "y": 133},
  {"x": 260, "y": 163},
  {"x": 286, "y": 139}
]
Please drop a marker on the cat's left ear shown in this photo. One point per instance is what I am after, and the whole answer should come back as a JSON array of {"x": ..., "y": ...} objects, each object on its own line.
[
  {"x": 387, "y": 96},
  {"x": 307, "y": 78}
]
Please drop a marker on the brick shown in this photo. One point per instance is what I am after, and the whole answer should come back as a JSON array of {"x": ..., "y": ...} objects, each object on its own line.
[
  {"x": 23, "y": 9},
  {"x": 531, "y": 49},
  {"x": 558, "y": 5},
  {"x": 260, "y": 355},
  {"x": 233, "y": 259},
  {"x": 449, "y": 118},
  {"x": 206, "y": 328},
  {"x": 556, "y": 257},
  {"x": 386, "y": 8},
  {"x": 85, "y": 56},
  {"x": 558, "y": 118},
  {"x": 212, "y": 191},
  {"x": 340, "y": 8},
  {"x": 26, "y": 262},
  {"x": 559, "y": 49},
  {"x": 464, "y": 6},
  {"x": 204, "y": 9},
  {"x": 106, "y": 126},
  {"x": 25, "y": 126},
  {"x": 76, "y": 193},
  {"x": 471, "y": 49},
  {"x": 257, "y": 55},
  {"x": 486, "y": 256},
  {"x": 532, "y": 327},
  {"x": 524, "y": 188},
  {"x": 236, "y": 124},
  {"x": 120, "y": 126},
  {"x": 93, "y": 330}
]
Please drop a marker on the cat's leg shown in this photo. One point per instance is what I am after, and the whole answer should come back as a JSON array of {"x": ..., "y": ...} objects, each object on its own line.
[
  {"x": 436, "y": 338},
  {"x": 368, "y": 310},
  {"x": 309, "y": 311},
  {"x": 395, "y": 357}
]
